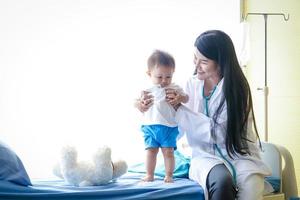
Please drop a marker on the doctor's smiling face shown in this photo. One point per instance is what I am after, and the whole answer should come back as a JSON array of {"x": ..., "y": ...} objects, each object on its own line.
[{"x": 205, "y": 68}]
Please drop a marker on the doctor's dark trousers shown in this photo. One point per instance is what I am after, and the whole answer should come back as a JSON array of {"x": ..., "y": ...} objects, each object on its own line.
[{"x": 220, "y": 184}]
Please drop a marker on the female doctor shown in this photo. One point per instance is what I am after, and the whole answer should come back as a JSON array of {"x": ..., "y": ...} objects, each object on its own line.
[{"x": 219, "y": 123}]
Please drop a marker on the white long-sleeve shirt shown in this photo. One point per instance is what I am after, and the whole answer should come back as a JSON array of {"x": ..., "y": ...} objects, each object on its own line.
[{"x": 161, "y": 112}]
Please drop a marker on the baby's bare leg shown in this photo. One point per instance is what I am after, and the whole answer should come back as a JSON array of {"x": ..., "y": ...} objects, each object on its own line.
[
  {"x": 150, "y": 164},
  {"x": 169, "y": 160}
]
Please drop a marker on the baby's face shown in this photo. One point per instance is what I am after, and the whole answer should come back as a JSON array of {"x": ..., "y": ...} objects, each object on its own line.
[{"x": 161, "y": 75}]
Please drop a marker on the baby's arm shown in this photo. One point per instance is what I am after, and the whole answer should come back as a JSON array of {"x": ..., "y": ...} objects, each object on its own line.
[{"x": 144, "y": 102}]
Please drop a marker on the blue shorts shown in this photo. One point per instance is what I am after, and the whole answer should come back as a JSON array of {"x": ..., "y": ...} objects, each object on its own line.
[{"x": 156, "y": 136}]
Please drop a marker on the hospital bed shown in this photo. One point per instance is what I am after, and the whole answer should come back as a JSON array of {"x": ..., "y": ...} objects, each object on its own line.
[
  {"x": 129, "y": 186},
  {"x": 279, "y": 159}
]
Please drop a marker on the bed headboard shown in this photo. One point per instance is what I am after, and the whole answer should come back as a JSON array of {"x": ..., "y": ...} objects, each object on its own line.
[{"x": 279, "y": 159}]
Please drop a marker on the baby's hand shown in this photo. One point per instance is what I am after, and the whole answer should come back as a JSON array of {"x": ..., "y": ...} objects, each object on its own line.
[{"x": 144, "y": 102}]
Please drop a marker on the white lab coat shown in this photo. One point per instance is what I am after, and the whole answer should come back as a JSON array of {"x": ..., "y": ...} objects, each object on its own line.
[{"x": 197, "y": 126}]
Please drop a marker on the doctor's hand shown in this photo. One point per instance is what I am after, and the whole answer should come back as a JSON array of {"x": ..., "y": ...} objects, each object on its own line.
[
  {"x": 175, "y": 98},
  {"x": 144, "y": 102}
]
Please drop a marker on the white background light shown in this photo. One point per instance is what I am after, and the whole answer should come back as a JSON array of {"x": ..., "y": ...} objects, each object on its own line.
[{"x": 70, "y": 70}]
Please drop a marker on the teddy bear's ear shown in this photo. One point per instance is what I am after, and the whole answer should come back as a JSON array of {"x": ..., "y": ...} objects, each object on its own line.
[
  {"x": 68, "y": 150},
  {"x": 103, "y": 151},
  {"x": 69, "y": 153},
  {"x": 119, "y": 168}
]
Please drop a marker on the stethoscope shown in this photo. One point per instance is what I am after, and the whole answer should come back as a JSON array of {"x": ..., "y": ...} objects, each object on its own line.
[{"x": 216, "y": 147}]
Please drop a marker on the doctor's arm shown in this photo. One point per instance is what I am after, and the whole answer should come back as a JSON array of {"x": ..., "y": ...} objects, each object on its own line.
[
  {"x": 199, "y": 126},
  {"x": 175, "y": 96}
]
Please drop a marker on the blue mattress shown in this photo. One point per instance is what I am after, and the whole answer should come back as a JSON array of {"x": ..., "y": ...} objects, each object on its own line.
[{"x": 128, "y": 187}]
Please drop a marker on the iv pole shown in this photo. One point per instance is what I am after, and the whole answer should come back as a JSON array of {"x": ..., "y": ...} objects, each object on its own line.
[{"x": 265, "y": 89}]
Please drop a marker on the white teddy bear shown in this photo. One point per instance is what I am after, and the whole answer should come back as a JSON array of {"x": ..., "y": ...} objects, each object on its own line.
[{"x": 101, "y": 171}]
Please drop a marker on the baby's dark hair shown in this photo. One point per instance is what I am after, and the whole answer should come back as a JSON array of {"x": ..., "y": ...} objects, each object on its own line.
[{"x": 161, "y": 58}]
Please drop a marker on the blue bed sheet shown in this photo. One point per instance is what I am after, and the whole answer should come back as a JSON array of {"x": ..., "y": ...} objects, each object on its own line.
[
  {"x": 128, "y": 187},
  {"x": 275, "y": 182}
]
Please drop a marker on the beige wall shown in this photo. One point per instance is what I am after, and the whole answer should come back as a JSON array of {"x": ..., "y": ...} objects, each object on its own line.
[{"x": 283, "y": 72}]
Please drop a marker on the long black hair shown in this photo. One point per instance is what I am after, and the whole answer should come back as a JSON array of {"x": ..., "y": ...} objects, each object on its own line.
[{"x": 218, "y": 46}]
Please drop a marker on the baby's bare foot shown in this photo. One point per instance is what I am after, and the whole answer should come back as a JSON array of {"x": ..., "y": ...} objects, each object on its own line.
[
  {"x": 148, "y": 178},
  {"x": 168, "y": 179}
]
